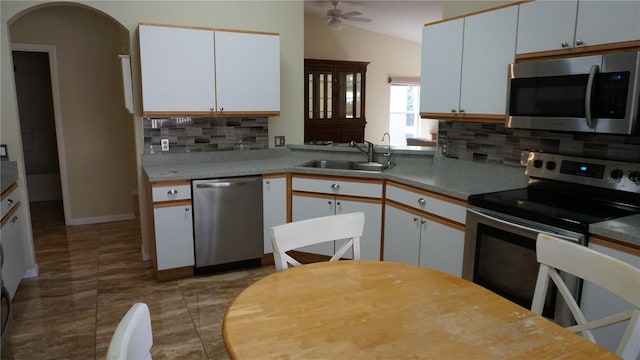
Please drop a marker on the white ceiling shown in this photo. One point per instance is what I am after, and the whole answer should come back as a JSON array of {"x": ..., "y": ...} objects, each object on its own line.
[{"x": 402, "y": 19}]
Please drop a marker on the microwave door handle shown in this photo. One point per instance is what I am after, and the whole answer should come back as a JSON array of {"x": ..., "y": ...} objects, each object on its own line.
[{"x": 587, "y": 101}]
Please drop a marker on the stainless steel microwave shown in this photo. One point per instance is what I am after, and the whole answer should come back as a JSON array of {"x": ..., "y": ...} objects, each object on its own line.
[{"x": 598, "y": 94}]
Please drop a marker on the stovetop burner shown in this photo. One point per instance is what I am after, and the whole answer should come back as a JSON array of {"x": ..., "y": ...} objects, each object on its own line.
[{"x": 569, "y": 192}]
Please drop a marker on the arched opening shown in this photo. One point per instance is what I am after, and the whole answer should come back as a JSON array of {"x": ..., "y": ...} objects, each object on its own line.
[{"x": 86, "y": 124}]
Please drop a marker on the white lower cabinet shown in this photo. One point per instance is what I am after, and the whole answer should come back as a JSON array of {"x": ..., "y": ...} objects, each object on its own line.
[
  {"x": 597, "y": 302},
  {"x": 274, "y": 203},
  {"x": 424, "y": 228},
  {"x": 401, "y": 236},
  {"x": 319, "y": 196},
  {"x": 311, "y": 206},
  {"x": 12, "y": 240},
  {"x": 174, "y": 235},
  {"x": 416, "y": 239},
  {"x": 171, "y": 248}
]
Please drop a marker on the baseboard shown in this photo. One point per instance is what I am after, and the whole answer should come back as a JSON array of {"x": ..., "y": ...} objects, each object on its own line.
[
  {"x": 31, "y": 272},
  {"x": 101, "y": 219}
]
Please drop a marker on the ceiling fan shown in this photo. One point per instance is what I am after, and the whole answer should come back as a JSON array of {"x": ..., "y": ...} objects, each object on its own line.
[{"x": 336, "y": 16}]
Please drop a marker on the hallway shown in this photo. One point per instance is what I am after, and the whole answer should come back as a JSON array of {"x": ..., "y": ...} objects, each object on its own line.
[{"x": 89, "y": 277}]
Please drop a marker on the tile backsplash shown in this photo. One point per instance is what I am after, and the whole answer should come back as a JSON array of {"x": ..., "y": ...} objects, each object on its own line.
[
  {"x": 494, "y": 143},
  {"x": 205, "y": 134}
]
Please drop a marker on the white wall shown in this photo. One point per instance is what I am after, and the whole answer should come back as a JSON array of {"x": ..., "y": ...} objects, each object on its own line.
[{"x": 388, "y": 56}]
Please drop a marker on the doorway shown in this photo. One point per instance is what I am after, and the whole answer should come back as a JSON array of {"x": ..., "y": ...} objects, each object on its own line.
[{"x": 36, "y": 89}]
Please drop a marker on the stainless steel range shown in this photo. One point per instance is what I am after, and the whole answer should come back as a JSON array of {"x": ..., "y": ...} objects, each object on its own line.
[{"x": 565, "y": 194}]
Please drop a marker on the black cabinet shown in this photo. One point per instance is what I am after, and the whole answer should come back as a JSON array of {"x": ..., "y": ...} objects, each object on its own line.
[{"x": 334, "y": 100}]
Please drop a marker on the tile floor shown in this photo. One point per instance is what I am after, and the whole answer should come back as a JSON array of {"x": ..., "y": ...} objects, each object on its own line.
[{"x": 89, "y": 277}]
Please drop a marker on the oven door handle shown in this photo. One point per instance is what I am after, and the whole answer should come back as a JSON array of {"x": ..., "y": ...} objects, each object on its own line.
[{"x": 523, "y": 227}]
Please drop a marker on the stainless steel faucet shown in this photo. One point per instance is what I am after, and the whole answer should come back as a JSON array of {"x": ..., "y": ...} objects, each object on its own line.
[
  {"x": 388, "y": 153},
  {"x": 368, "y": 152}
]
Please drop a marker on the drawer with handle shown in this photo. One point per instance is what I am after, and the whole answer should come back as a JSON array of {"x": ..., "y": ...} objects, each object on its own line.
[
  {"x": 174, "y": 190},
  {"x": 9, "y": 199},
  {"x": 451, "y": 209}
]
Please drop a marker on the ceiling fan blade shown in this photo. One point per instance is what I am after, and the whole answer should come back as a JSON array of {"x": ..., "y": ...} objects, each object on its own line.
[
  {"x": 351, "y": 14},
  {"x": 334, "y": 13},
  {"x": 359, "y": 19}
]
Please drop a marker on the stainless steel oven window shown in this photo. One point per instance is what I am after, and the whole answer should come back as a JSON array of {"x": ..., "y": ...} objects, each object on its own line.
[{"x": 500, "y": 255}]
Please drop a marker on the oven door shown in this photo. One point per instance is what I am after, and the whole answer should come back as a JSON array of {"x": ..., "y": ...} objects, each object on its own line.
[{"x": 500, "y": 255}]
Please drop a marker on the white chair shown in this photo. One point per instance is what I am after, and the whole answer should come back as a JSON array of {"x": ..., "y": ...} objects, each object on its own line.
[
  {"x": 133, "y": 338},
  {"x": 602, "y": 270},
  {"x": 301, "y": 233}
]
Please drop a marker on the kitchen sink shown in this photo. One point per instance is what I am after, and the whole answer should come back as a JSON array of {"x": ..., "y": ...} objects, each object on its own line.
[{"x": 347, "y": 165}]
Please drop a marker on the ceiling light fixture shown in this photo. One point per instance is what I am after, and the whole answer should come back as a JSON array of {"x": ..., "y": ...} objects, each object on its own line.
[{"x": 335, "y": 24}]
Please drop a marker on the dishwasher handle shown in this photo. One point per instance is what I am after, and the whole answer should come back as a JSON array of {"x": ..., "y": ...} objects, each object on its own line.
[{"x": 224, "y": 184}]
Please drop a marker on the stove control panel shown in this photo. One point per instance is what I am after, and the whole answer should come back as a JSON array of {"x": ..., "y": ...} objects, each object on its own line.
[{"x": 609, "y": 174}]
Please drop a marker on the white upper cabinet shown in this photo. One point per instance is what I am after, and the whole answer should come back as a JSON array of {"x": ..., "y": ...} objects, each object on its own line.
[
  {"x": 177, "y": 69},
  {"x": 199, "y": 72},
  {"x": 602, "y": 22},
  {"x": 248, "y": 71},
  {"x": 441, "y": 66},
  {"x": 547, "y": 25},
  {"x": 489, "y": 48},
  {"x": 465, "y": 61}
]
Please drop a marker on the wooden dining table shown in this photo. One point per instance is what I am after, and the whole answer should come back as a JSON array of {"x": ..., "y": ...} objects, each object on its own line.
[{"x": 387, "y": 310}]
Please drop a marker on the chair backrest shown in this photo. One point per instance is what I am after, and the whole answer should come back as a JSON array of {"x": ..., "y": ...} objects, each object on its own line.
[
  {"x": 301, "y": 233},
  {"x": 133, "y": 338},
  {"x": 600, "y": 269}
]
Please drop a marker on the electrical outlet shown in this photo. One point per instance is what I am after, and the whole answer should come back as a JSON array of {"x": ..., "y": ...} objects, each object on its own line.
[
  {"x": 164, "y": 144},
  {"x": 279, "y": 141}
]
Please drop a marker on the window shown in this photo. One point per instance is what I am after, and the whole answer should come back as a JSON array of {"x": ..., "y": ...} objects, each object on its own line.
[{"x": 404, "y": 117}]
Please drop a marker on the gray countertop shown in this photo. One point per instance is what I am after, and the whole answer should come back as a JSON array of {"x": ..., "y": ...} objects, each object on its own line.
[
  {"x": 626, "y": 229},
  {"x": 421, "y": 169},
  {"x": 8, "y": 173},
  {"x": 415, "y": 166}
]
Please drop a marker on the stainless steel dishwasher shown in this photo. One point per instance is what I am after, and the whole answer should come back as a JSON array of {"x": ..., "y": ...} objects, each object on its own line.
[{"x": 227, "y": 215}]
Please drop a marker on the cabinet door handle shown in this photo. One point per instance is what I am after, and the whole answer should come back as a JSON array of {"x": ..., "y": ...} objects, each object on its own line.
[
  {"x": 579, "y": 42},
  {"x": 14, "y": 219},
  {"x": 172, "y": 192},
  {"x": 422, "y": 201},
  {"x": 329, "y": 202},
  {"x": 454, "y": 111},
  {"x": 187, "y": 209},
  {"x": 564, "y": 44},
  {"x": 335, "y": 186},
  {"x": 211, "y": 109},
  {"x": 338, "y": 203},
  {"x": 268, "y": 182},
  {"x": 423, "y": 221},
  {"x": 10, "y": 202},
  {"x": 415, "y": 219},
  {"x": 461, "y": 111}
]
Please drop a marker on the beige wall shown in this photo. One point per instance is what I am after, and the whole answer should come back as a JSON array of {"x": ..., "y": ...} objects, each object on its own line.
[
  {"x": 388, "y": 56},
  {"x": 98, "y": 132},
  {"x": 284, "y": 17}
]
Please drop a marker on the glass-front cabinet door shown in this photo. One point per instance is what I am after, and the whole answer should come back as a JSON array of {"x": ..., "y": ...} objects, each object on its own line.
[{"x": 334, "y": 101}]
